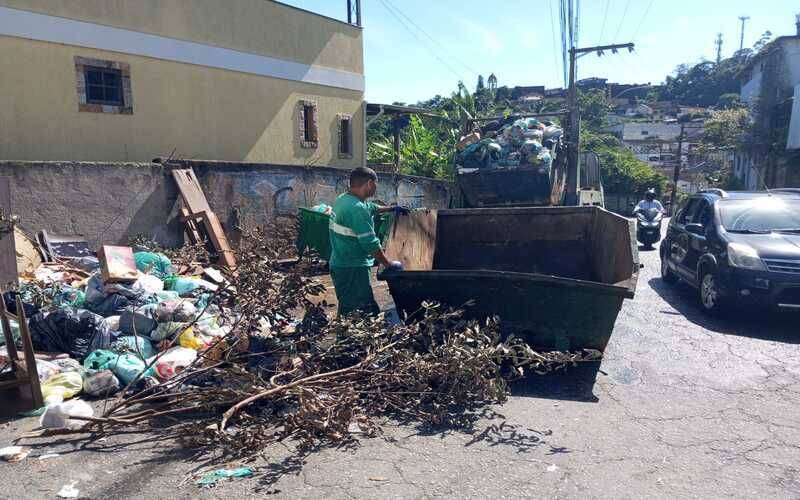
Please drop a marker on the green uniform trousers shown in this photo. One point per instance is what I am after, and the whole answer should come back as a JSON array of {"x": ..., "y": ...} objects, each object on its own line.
[{"x": 354, "y": 290}]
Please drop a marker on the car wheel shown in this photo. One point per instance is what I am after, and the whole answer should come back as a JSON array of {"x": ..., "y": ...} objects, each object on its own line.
[
  {"x": 710, "y": 298},
  {"x": 666, "y": 273}
]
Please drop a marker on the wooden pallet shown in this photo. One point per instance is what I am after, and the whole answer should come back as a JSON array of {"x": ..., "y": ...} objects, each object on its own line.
[{"x": 202, "y": 224}]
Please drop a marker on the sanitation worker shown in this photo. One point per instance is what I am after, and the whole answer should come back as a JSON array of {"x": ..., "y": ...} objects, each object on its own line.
[{"x": 355, "y": 245}]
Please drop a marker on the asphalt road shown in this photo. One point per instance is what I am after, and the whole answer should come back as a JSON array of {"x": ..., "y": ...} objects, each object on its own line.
[{"x": 682, "y": 406}]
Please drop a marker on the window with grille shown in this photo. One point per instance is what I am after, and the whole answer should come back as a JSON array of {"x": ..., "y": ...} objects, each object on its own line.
[
  {"x": 345, "y": 136},
  {"x": 104, "y": 86},
  {"x": 309, "y": 129}
]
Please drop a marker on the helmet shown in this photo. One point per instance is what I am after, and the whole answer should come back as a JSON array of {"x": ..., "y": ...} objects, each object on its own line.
[{"x": 650, "y": 194}]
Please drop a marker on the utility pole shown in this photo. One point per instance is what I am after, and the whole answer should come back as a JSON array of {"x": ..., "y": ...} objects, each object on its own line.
[
  {"x": 718, "y": 43},
  {"x": 743, "y": 19},
  {"x": 678, "y": 166},
  {"x": 354, "y": 12},
  {"x": 574, "y": 126}
]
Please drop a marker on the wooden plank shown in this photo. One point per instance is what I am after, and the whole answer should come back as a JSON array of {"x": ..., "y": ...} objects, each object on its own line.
[
  {"x": 195, "y": 206},
  {"x": 30, "y": 358},
  {"x": 190, "y": 224},
  {"x": 11, "y": 346},
  {"x": 412, "y": 240},
  {"x": 190, "y": 190},
  {"x": 219, "y": 240},
  {"x": 8, "y": 251}
]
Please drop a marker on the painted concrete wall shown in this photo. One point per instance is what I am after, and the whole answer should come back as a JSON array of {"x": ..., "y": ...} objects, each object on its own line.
[
  {"x": 256, "y": 26},
  {"x": 111, "y": 202},
  {"x": 195, "y": 111}
]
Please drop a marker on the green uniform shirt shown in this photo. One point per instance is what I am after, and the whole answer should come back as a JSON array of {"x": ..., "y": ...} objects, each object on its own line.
[{"x": 352, "y": 230}]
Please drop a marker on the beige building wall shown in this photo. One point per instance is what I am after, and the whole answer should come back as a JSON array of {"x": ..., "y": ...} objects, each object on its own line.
[{"x": 198, "y": 111}]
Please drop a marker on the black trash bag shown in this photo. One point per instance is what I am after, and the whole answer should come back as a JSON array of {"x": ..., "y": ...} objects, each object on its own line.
[
  {"x": 76, "y": 332},
  {"x": 110, "y": 305},
  {"x": 10, "y": 298}
]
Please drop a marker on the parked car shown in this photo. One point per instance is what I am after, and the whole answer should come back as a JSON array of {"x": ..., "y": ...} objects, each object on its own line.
[{"x": 737, "y": 247}]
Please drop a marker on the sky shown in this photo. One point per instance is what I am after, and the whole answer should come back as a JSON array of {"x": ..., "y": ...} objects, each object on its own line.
[{"x": 519, "y": 40}]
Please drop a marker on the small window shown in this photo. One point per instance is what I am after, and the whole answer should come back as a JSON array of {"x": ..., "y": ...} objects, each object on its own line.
[
  {"x": 103, "y": 86},
  {"x": 345, "y": 136},
  {"x": 645, "y": 132},
  {"x": 309, "y": 130}
]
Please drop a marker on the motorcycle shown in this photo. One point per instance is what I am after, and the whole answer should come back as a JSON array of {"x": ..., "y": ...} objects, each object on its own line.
[{"x": 648, "y": 227}]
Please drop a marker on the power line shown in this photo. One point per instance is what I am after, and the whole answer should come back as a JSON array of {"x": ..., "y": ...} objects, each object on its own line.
[
  {"x": 571, "y": 20},
  {"x": 603, "y": 26},
  {"x": 416, "y": 37},
  {"x": 436, "y": 42},
  {"x": 553, "y": 32},
  {"x": 563, "y": 25},
  {"x": 622, "y": 21},
  {"x": 647, "y": 11}
]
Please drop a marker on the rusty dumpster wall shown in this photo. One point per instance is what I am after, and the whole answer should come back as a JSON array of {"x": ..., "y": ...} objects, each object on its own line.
[{"x": 111, "y": 202}]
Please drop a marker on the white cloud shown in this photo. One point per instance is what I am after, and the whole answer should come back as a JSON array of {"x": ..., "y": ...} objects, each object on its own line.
[{"x": 487, "y": 40}]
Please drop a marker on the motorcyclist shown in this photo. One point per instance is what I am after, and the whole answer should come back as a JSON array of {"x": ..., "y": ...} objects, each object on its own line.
[{"x": 649, "y": 202}]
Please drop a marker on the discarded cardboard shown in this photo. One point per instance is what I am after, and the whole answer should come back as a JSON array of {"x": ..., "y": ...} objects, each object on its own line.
[{"x": 117, "y": 264}]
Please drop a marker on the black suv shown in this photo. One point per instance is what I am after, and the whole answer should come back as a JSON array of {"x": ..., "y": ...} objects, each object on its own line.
[{"x": 741, "y": 247}]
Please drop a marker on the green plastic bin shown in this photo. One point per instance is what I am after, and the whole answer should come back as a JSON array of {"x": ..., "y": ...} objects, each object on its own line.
[{"x": 314, "y": 233}]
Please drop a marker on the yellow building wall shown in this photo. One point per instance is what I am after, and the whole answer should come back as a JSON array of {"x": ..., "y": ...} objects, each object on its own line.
[
  {"x": 257, "y": 26},
  {"x": 199, "y": 112}
]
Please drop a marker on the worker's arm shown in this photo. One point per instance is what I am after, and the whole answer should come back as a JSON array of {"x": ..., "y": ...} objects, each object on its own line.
[
  {"x": 397, "y": 209},
  {"x": 381, "y": 258},
  {"x": 368, "y": 240}
]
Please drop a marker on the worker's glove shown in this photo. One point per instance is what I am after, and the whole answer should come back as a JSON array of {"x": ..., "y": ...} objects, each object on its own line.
[
  {"x": 395, "y": 265},
  {"x": 401, "y": 210}
]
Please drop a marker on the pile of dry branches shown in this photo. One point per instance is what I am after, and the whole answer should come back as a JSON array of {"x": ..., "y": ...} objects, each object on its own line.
[{"x": 323, "y": 380}]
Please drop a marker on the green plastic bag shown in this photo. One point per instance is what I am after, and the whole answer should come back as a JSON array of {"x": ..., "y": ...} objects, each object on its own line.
[
  {"x": 181, "y": 285},
  {"x": 100, "y": 360},
  {"x": 128, "y": 367},
  {"x": 69, "y": 298},
  {"x": 153, "y": 263},
  {"x": 134, "y": 344},
  {"x": 210, "y": 480}
]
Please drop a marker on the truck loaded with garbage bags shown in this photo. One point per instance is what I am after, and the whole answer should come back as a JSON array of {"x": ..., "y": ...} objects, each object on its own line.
[{"x": 518, "y": 161}]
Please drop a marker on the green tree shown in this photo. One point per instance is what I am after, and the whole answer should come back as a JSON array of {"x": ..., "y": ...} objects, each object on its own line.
[
  {"x": 594, "y": 108},
  {"x": 728, "y": 101},
  {"x": 480, "y": 86},
  {"x": 622, "y": 171}
]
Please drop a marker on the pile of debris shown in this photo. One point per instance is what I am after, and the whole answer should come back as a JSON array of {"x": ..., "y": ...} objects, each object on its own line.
[
  {"x": 235, "y": 360},
  {"x": 523, "y": 142}
]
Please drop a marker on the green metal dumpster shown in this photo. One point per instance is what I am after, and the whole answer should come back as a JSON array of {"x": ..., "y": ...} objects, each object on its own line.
[
  {"x": 555, "y": 276},
  {"x": 313, "y": 233}
]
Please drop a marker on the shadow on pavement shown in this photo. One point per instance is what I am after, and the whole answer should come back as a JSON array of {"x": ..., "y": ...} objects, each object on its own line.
[
  {"x": 573, "y": 384},
  {"x": 755, "y": 323}
]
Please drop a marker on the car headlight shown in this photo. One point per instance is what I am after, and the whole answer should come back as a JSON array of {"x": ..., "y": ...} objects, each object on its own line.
[{"x": 745, "y": 257}]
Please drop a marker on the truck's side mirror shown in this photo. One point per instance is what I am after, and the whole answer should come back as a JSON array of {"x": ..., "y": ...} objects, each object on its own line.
[{"x": 695, "y": 228}]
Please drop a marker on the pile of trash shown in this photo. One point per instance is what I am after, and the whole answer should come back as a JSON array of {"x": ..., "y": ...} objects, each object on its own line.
[
  {"x": 231, "y": 362},
  {"x": 510, "y": 143},
  {"x": 123, "y": 320}
]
